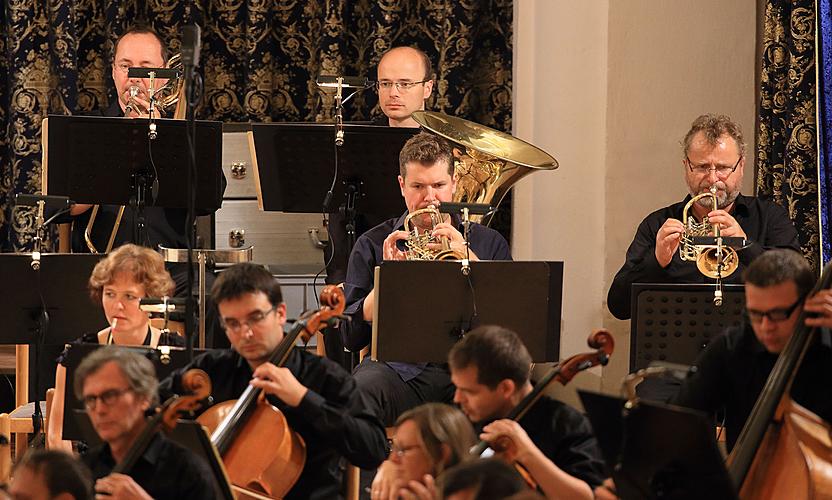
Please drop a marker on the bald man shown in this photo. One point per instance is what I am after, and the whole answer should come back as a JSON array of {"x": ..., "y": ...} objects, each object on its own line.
[{"x": 404, "y": 83}]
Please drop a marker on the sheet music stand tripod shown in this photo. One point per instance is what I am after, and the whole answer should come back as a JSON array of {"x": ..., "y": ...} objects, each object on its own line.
[
  {"x": 523, "y": 296},
  {"x": 61, "y": 285},
  {"x": 98, "y": 160},
  {"x": 294, "y": 164}
]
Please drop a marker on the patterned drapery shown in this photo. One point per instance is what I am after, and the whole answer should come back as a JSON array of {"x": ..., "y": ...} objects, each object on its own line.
[
  {"x": 786, "y": 140},
  {"x": 825, "y": 126},
  {"x": 259, "y": 59}
]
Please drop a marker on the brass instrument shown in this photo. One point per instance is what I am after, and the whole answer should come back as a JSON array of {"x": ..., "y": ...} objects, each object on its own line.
[
  {"x": 487, "y": 162},
  {"x": 424, "y": 246},
  {"x": 172, "y": 92},
  {"x": 715, "y": 261}
]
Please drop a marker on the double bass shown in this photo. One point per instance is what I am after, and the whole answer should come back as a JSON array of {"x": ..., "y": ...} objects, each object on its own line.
[
  {"x": 785, "y": 450},
  {"x": 238, "y": 427}
]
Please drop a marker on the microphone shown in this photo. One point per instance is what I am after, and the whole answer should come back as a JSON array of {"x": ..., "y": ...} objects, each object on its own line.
[
  {"x": 191, "y": 43},
  {"x": 347, "y": 82}
]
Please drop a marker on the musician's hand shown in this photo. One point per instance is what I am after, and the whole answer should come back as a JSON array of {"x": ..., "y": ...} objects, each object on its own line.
[
  {"x": 508, "y": 439},
  {"x": 667, "y": 240},
  {"x": 143, "y": 104},
  {"x": 119, "y": 486},
  {"x": 279, "y": 382},
  {"x": 728, "y": 225},
  {"x": 381, "y": 488},
  {"x": 606, "y": 491},
  {"x": 390, "y": 250},
  {"x": 419, "y": 490},
  {"x": 820, "y": 304},
  {"x": 455, "y": 238}
]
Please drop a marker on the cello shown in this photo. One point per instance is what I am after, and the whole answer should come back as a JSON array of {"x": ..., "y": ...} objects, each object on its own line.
[
  {"x": 197, "y": 383},
  {"x": 238, "y": 426},
  {"x": 601, "y": 340},
  {"x": 785, "y": 450}
]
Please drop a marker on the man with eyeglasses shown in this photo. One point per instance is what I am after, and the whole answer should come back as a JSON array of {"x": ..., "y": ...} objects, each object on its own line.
[
  {"x": 713, "y": 155},
  {"x": 118, "y": 387},
  {"x": 404, "y": 83},
  {"x": 319, "y": 399},
  {"x": 731, "y": 372}
]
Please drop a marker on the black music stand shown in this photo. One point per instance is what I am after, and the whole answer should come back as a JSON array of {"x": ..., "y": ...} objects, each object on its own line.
[
  {"x": 77, "y": 425},
  {"x": 423, "y": 308},
  {"x": 60, "y": 285},
  {"x": 295, "y": 164},
  {"x": 99, "y": 160},
  {"x": 193, "y": 436},
  {"x": 674, "y": 322},
  {"x": 657, "y": 451}
]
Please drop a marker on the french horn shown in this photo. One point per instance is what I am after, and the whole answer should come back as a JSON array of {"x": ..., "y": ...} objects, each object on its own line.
[
  {"x": 487, "y": 162},
  {"x": 423, "y": 245},
  {"x": 715, "y": 261},
  {"x": 166, "y": 96}
]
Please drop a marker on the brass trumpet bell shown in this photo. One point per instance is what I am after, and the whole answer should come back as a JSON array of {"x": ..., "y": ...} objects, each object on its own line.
[
  {"x": 708, "y": 262},
  {"x": 487, "y": 162}
]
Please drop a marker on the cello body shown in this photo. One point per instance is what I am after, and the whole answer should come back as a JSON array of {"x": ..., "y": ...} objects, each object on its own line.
[
  {"x": 269, "y": 471},
  {"x": 793, "y": 461}
]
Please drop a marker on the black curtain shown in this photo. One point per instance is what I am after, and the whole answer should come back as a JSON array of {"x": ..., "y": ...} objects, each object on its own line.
[{"x": 259, "y": 61}]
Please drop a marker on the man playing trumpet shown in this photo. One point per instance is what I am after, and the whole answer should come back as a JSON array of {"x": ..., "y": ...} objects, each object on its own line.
[
  {"x": 713, "y": 156},
  {"x": 426, "y": 178}
]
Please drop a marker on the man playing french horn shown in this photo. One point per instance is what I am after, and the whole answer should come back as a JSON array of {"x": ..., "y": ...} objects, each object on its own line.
[
  {"x": 426, "y": 167},
  {"x": 713, "y": 157}
]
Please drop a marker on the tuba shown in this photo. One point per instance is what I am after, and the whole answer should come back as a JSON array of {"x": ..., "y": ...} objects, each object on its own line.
[
  {"x": 424, "y": 246},
  {"x": 487, "y": 162},
  {"x": 172, "y": 92},
  {"x": 716, "y": 260}
]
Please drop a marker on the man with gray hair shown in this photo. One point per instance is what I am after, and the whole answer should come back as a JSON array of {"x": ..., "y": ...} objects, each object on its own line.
[
  {"x": 713, "y": 155},
  {"x": 117, "y": 387}
]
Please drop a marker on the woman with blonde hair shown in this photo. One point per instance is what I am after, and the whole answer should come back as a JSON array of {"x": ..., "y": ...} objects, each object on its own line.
[
  {"x": 428, "y": 440},
  {"x": 119, "y": 281}
]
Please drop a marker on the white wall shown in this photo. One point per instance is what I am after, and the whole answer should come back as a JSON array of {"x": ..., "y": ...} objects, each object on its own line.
[{"x": 609, "y": 88}]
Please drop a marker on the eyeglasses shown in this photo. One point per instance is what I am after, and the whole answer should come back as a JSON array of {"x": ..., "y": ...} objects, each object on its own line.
[
  {"x": 400, "y": 451},
  {"x": 721, "y": 171},
  {"x": 106, "y": 397},
  {"x": 774, "y": 315},
  {"x": 387, "y": 85},
  {"x": 253, "y": 320}
]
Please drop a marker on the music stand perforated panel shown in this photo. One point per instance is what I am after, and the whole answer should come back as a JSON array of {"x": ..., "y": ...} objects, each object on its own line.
[{"x": 674, "y": 322}]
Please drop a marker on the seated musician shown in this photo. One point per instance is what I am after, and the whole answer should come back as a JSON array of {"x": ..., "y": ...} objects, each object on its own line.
[
  {"x": 486, "y": 478},
  {"x": 318, "y": 398},
  {"x": 490, "y": 367},
  {"x": 428, "y": 440},
  {"x": 118, "y": 281},
  {"x": 713, "y": 154},
  {"x": 426, "y": 178},
  {"x": 117, "y": 387},
  {"x": 48, "y": 474},
  {"x": 731, "y": 372}
]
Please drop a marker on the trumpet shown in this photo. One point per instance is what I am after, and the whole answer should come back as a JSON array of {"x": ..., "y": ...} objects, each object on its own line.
[
  {"x": 425, "y": 246},
  {"x": 715, "y": 261}
]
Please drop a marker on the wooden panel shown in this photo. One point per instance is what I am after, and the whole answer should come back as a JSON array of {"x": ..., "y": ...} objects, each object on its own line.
[{"x": 279, "y": 239}]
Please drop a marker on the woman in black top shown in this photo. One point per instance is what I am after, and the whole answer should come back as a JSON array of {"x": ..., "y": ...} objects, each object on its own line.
[{"x": 119, "y": 281}]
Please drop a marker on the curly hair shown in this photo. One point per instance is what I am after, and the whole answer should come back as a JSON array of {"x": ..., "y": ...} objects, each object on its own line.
[
  {"x": 713, "y": 127},
  {"x": 426, "y": 149},
  {"x": 143, "y": 264}
]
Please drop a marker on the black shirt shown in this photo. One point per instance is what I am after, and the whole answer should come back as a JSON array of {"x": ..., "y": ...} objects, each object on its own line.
[
  {"x": 165, "y": 470},
  {"x": 485, "y": 242},
  {"x": 766, "y": 225},
  {"x": 331, "y": 418},
  {"x": 565, "y": 436},
  {"x": 731, "y": 372}
]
